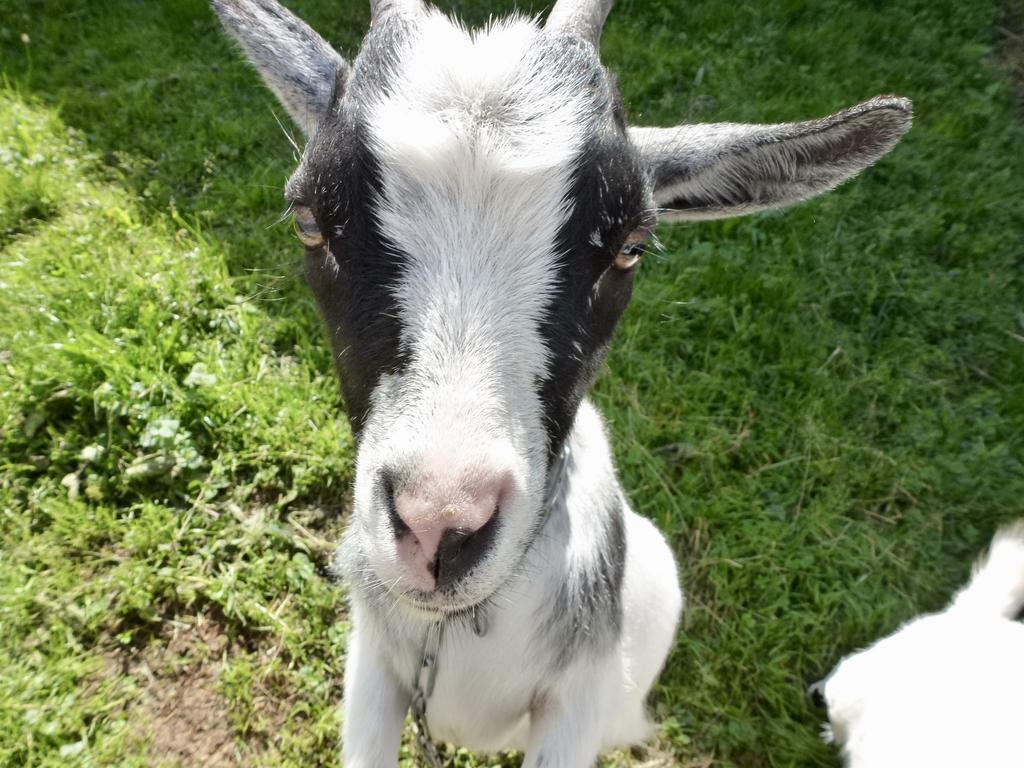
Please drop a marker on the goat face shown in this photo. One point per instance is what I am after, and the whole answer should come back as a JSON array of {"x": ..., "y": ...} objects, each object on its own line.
[
  {"x": 474, "y": 194},
  {"x": 473, "y": 205}
]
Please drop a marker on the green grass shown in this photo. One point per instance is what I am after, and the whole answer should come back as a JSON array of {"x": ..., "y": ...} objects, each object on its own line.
[{"x": 822, "y": 408}]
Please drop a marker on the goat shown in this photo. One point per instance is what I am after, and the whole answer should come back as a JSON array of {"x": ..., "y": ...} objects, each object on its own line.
[
  {"x": 474, "y": 207},
  {"x": 945, "y": 689}
]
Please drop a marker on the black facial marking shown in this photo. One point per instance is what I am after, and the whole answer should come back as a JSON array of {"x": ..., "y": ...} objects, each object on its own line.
[
  {"x": 353, "y": 275},
  {"x": 609, "y": 191}
]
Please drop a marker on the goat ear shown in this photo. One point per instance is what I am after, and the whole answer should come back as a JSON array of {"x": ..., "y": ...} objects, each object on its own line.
[
  {"x": 730, "y": 169},
  {"x": 298, "y": 65}
]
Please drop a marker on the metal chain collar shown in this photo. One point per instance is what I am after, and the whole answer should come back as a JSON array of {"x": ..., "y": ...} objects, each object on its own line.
[
  {"x": 423, "y": 688},
  {"x": 426, "y": 675}
]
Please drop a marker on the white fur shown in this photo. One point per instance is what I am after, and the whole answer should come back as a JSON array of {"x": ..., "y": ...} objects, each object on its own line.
[
  {"x": 946, "y": 690},
  {"x": 503, "y": 690}
]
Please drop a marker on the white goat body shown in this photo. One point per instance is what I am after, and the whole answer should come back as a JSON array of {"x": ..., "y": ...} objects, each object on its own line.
[
  {"x": 517, "y": 687},
  {"x": 943, "y": 691}
]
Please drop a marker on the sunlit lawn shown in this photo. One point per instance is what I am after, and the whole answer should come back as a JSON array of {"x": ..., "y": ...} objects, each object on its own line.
[{"x": 823, "y": 408}]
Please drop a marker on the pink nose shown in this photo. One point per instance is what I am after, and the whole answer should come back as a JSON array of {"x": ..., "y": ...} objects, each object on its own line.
[{"x": 445, "y": 528}]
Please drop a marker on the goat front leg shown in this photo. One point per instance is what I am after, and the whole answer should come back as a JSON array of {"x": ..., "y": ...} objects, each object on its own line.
[
  {"x": 568, "y": 723},
  {"x": 374, "y": 706}
]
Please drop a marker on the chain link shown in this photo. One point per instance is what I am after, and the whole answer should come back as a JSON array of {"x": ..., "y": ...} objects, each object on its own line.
[{"x": 426, "y": 675}]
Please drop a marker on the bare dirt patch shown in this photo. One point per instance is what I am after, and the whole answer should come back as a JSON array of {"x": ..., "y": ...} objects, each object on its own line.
[{"x": 179, "y": 712}]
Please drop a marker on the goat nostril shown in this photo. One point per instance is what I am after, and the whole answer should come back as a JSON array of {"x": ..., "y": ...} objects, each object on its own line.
[
  {"x": 460, "y": 550},
  {"x": 453, "y": 541},
  {"x": 448, "y": 550}
]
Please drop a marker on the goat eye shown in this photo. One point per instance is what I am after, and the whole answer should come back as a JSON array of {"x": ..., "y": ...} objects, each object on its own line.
[
  {"x": 631, "y": 251},
  {"x": 306, "y": 227}
]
